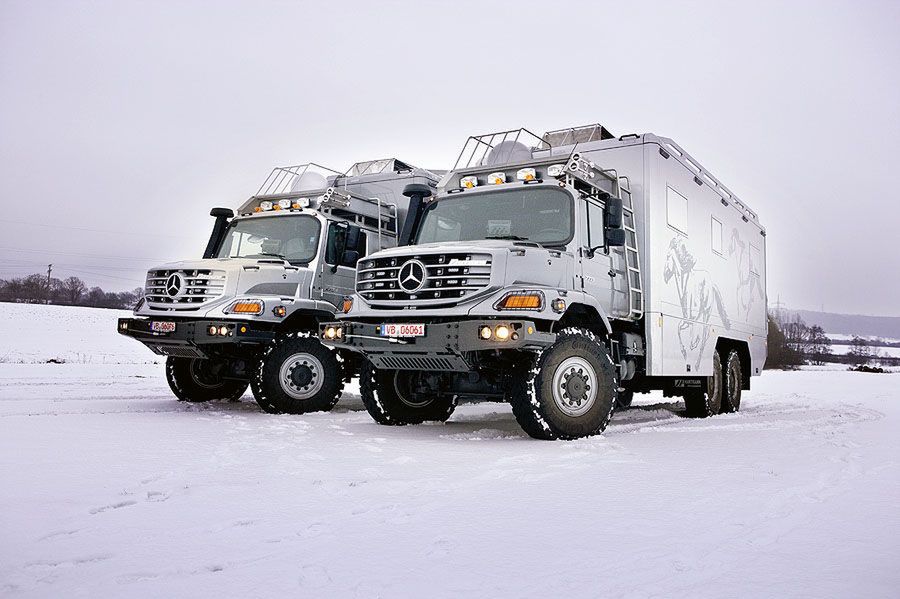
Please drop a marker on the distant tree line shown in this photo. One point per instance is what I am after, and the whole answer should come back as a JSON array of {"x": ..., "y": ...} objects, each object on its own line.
[
  {"x": 793, "y": 342},
  {"x": 36, "y": 289}
]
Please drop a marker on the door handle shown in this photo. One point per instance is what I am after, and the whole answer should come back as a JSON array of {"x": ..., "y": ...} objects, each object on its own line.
[{"x": 612, "y": 273}]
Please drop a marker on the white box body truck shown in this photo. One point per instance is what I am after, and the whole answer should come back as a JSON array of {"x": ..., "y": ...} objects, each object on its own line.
[{"x": 564, "y": 273}]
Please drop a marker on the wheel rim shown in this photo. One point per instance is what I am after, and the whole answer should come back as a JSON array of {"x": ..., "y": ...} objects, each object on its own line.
[
  {"x": 574, "y": 386},
  {"x": 301, "y": 376},
  {"x": 201, "y": 375},
  {"x": 403, "y": 389}
]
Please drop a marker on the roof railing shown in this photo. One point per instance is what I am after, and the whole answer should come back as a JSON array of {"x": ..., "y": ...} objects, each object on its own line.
[{"x": 502, "y": 147}]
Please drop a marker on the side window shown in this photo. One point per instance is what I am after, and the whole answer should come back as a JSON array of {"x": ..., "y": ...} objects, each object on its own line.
[
  {"x": 595, "y": 225},
  {"x": 755, "y": 259},
  {"x": 676, "y": 210},
  {"x": 334, "y": 245},
  {"x": 362, "y": 244},
  {"x": 716, "y": 236}
]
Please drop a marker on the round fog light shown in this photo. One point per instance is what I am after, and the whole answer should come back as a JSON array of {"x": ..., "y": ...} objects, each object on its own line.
[
  {"x": 223, "y": 330},
  {"x": 213, "y": 330},
  {"x": 330, "y": 332},
  {"x": 502, "y": 332},
  {"x": 485, "y": 332}
]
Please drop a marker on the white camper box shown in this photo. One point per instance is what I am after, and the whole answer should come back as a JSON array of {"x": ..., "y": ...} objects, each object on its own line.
[{"x": 702, "y": 256}]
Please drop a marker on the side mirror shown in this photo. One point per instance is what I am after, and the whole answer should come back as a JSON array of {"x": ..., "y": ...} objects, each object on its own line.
[
  {"x": 615, "y": 237},
  {"x": 614, "y": 213},
  {"x": 350, "y": 258}
]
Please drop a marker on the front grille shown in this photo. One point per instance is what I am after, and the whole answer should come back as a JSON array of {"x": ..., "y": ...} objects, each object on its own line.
[
  {"x": 405, "y": 362},
  {"x": 194, "y": 288},
  {"x": 448, "y": 278}
]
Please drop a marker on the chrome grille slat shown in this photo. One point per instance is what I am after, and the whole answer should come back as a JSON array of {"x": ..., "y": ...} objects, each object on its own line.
[
  {"x": 199, "y": 287},
  {"x": 377, "y": 279}
]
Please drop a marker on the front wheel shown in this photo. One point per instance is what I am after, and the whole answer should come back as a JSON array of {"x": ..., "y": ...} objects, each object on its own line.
[
  {"x": 569, "y": 391},
  {"x": 196, "y": 380},
  {"x": 298, "y": 375},
  {"x": 398, "y": 397}
]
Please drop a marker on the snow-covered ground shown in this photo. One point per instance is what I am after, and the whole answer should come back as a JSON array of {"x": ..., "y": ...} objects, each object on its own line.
[{"x": 110, "y": 487}]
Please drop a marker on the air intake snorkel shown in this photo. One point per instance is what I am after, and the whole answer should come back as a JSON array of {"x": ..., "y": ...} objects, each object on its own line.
[
  {"x": 222, "y": 216},
  {"x": 416, "y": 192}
]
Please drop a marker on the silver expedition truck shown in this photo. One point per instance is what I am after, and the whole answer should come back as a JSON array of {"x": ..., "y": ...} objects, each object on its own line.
[
  {"x": 563, "y": 274},
  {"x": 248, "y": 312}
]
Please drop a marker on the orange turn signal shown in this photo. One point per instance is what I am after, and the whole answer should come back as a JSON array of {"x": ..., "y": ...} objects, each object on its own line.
[
  {"x": 246, "y": 308},
  {"x": 526, "y": 300}
]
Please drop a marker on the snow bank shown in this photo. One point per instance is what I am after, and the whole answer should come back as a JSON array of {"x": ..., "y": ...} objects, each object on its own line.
[{"x": 32, "y": 333}]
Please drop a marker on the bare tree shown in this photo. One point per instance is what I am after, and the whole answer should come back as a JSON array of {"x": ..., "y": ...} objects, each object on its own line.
[{"x": 73, "y": 288}]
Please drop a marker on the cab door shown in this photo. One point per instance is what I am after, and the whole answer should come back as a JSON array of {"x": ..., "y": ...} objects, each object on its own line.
[
  {"x": 602, "y": 271},
  {"x": 345, "y": 244}
]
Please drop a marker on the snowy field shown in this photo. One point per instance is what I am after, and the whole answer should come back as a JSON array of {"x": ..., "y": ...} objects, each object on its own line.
[{"x": 111, "y": 488}]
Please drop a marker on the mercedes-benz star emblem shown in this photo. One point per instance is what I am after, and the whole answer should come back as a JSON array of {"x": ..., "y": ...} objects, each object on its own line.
[
  {"x": 412, "y": 276},
  {"x": 174, "y": 284}
]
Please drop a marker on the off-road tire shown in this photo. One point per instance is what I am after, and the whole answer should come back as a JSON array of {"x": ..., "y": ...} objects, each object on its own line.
[
  {"x": 387, "y": 405},
  {"x": 317, "y": 386},
  {"x": 186, "y": 380},
  {"x": 540, "y": 413},
  {"x": 624, "y": 399},
  {"x": 702, "y": 403},
  {"x": 733, "y": 376}
]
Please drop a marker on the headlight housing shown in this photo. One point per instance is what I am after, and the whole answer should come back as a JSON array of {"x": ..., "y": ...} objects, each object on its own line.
[
  {"x": 521, "y": 300},
  {"x": 246, "y": 306}
]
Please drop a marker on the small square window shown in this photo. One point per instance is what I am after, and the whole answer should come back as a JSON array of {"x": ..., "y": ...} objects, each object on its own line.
[
  {"x": 716, "y": 236},
  {"x": 755, "y": 259},
  {"x": 676, "y": 210}
]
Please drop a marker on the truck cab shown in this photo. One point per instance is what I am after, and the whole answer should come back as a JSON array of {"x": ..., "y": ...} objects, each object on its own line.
[
  {"x": 544, "y": 272},
  {"x": 248, "y": 311}
]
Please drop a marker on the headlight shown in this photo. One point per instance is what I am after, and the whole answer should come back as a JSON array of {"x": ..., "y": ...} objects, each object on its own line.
[
  {"x": 521, "y": 300},
  {"x": 267, "y": 205},
  {"x": 526, "y": 174},
  {"x": 468, "y": 182},
  {"x": 555, "y": 170},
  {"x": 497, "y": 178},
  {"x": 247, "y": 306}
]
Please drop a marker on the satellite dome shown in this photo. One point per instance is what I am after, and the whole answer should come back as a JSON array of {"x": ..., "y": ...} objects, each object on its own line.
[
  {"x": 506, "y": 152},
  {"x": 309, "y": 181}
]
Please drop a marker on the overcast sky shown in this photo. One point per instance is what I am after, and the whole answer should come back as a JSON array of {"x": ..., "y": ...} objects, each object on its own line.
[{"x": 122, "y": 124}]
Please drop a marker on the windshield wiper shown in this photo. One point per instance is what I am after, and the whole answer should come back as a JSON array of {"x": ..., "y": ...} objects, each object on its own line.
[
  {"x": 272, "y": 255},
  {"x": 507, "y": 237}
]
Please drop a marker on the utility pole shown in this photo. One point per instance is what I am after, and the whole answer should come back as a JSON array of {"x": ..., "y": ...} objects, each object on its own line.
[{"x": 49, "y": 270}]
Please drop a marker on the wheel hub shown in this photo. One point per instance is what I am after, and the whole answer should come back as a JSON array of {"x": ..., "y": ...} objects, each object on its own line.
[
  {"x": 574, "y": 386},
  {"x": 301, "y": 376}
]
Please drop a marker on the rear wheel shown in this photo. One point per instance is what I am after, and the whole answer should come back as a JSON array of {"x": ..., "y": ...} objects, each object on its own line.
[
  {"x": 568, "y": 391},
  {"x": 398, "y": 397},
  {"x": 197, "y": 380},
  {"x": 734, "y": 382},
  {"x": 704, "y": 402},
  {"x": 298, "y": 375}
]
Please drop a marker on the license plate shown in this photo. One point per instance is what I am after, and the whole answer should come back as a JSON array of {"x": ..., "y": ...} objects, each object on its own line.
[
  {"x": 403, "y": 330},
  {"x": 162, "y": 327}
]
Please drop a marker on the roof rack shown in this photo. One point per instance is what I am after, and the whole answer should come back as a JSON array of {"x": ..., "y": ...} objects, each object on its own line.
[
  {"x": 376, "y": 167},
  {"x": 287, "y": 179},
  {"x": 576, "y": 135},
  {"x": 502, "y": 147}
]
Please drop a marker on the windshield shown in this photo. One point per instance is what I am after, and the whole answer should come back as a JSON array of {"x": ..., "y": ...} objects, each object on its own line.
[
  {"x": 293, "y": 238},
  {"x": 539, "y": 214}
]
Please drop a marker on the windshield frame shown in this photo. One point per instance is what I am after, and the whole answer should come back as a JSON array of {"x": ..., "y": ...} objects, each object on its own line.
[
  {"x": 233, "y": 224},
  {"x": 485, "y": 191}
]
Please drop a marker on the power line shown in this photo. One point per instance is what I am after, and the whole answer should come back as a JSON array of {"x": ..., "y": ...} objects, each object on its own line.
[
  {"x": 129, "y": 233},
  {"x": 129, "y": 258}
]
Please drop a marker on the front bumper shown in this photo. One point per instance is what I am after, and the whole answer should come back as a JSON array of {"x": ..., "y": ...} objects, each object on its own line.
[
  {"x": 446, "y": 346},
  {"x": 191, "y": 338}
]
